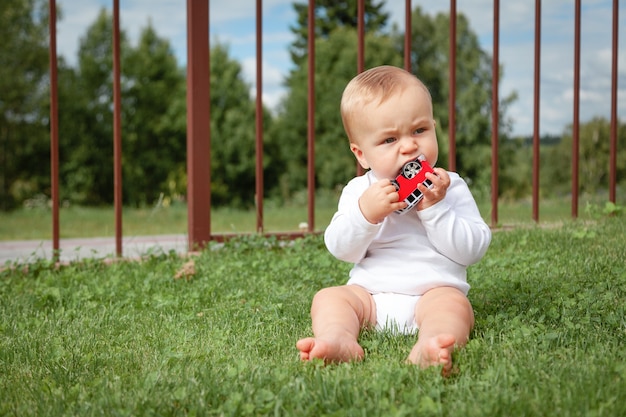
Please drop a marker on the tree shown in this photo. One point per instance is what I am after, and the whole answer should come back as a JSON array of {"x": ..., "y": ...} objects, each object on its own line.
[
  {"x": 86, "y": 124},
  {"x": 153, "y": 103},
  {"x": 233, "y": 163},
  {"x": 430, "y": 62},
  {"x": 331, "y": 15},
  {"x": 594, "y": 153},
  {"x": 153, "y": 147},
  {"x": 153, "y": 123},
  {"x": 336, "y": 65},
  {"x": 336, "y": 59},
  {"x": 23, "y": 101}
]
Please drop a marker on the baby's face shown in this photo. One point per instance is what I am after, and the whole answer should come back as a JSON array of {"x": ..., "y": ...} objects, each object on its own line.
[{"x": 390, "y": 134}]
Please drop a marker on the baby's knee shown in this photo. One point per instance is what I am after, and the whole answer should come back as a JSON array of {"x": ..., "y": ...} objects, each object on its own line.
[
  {"x": 448, "y": 295},
  {"x": 352, "y": 296},
  {"x": 445, "y": 299},
  {"x": 328, "y": 294}
]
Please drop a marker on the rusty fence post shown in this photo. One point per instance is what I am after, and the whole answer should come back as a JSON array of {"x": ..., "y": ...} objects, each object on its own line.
[
  {"x": 614, "y": 119},
  {"x": 198, "y": 125},
  {"x": 259, "y": 117},
  {"x": 576, "y": 124},
  {"x": 54, "y": 130},
  {"x": 311, "y": 118},
  {"x": 360, "y": 57},
  {"x": 117, "y": 129},
  {"x": 407, "y": 35},
  {"x": 536, "y": 113},
  {"x": 495, "y": 112},
  {"x": 452, "y": 90}
]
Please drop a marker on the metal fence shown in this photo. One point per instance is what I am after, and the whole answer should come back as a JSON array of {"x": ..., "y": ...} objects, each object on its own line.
[{"x": 198, "y": 108}]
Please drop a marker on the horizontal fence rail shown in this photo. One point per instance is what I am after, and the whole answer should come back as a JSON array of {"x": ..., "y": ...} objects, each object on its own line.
[{"x": 198, "y": 110}]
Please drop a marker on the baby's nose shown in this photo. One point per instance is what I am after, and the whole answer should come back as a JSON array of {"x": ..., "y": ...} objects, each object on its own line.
[{"x": 409, "y": 145}]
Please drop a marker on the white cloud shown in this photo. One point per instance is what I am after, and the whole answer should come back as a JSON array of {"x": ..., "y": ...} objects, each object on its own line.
[
  {"x": 273, "y": 76},
  {"x": 74, "y": 18},
  {"x": 230, "y": 10}
]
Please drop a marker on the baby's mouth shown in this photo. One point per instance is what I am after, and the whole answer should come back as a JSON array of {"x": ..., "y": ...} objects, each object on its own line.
[{"x": 420, "y": 157}]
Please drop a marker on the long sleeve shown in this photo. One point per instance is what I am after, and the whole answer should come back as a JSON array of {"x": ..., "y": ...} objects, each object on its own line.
[
  {"x": 349, "y": 234},
  {"x": 458, "y": 231},
  {"x": 413, "y": 252}
]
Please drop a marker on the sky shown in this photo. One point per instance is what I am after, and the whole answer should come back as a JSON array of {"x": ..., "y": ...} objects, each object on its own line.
[{"x": 233, "y": 23}]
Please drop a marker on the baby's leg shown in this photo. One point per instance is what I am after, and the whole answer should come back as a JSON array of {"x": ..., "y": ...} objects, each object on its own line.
[
  {"x": 445, "y": 318},
  {"x": 338, "y": 314}
]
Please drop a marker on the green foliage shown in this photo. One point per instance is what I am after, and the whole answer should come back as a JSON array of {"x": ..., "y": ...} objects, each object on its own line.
[
  {"x": 331, "y": 15},
  {"x": 154, "y": 113},
  {"x": 233, "y": 134},
  {"x": 609, "y": 209},
  {"x": 86, "y": 118},
  {"x": 429, "y": 61},
  {"x": 153, "y": 119},
  {"x": 335, "y": 65},
  {"x": 129, "y": 339},
  {"x": 594, "y": 140},
  {"x": 515, "y": 170},
  {"x": 154, "y": 145},
  {"x": 24, "y": 151}
]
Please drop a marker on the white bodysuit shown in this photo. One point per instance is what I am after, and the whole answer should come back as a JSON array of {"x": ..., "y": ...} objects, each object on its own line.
[{"x": 411, "y": 253}]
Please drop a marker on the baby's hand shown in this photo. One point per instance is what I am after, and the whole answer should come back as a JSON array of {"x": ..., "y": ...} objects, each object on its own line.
[
  {"x": 379, "y": 200},
  {"x": 440, "y": 182}
]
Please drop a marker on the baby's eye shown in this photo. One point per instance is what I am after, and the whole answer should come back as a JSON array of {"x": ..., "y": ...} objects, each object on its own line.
[
  {"x": 419, "y": 131},
  {"x": 389, "y": 140}
]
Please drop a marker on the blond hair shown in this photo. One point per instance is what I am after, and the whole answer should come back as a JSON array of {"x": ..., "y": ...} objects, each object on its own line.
[{"x": 377, "y": 83}]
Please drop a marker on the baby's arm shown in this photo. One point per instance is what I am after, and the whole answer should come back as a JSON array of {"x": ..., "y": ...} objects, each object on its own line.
[
  {"x": 351, "y": 231},
  {"x": 455, "y": 226}
]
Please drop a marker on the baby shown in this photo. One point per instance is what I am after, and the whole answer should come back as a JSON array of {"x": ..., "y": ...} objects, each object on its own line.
[{"x": 409, "y": 271}]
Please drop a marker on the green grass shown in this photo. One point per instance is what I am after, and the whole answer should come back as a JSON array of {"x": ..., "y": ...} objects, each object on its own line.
[
  {"x": 128, "y": 339},
  {"x": 77, "y": 222}
]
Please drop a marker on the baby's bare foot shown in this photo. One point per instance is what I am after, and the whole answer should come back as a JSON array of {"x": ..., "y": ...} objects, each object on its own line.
[
  {"x": 329, "y": 350},
  {"x": 434, "y": 351}
]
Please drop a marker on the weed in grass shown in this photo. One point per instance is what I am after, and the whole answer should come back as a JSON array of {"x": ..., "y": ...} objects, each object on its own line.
[{"x": 130, "y": 339}]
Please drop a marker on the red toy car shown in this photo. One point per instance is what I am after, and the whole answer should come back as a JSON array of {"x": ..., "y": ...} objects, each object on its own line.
[{"x": 412, "y": 174}]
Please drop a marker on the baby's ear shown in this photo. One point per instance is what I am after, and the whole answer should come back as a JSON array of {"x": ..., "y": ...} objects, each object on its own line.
[{"x": 358, "y": 154}]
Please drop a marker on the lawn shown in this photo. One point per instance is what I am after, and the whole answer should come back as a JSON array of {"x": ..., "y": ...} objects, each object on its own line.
[
  {"x": 79, "y": 222},
  {"x": 128, "y": 338}
]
